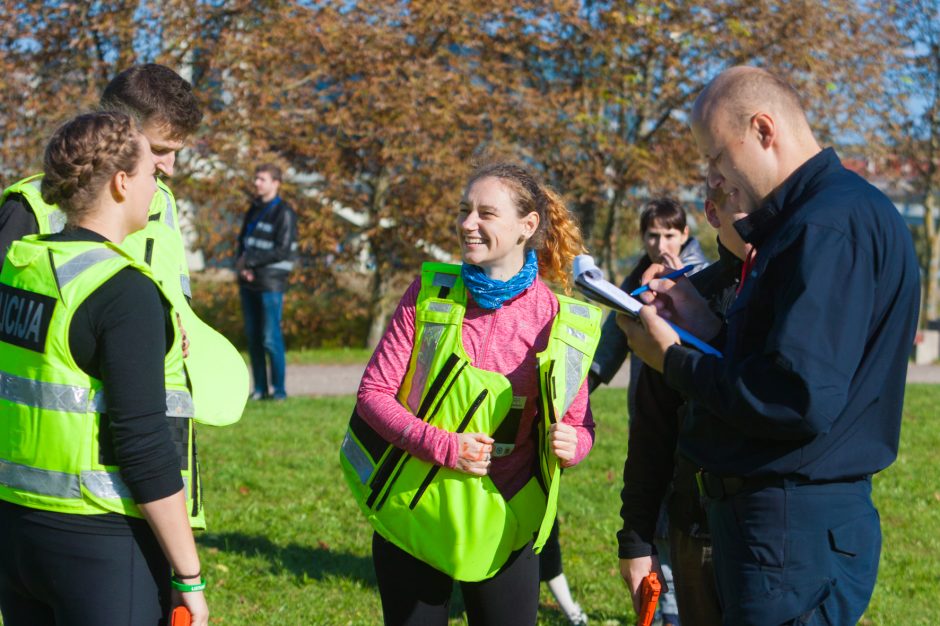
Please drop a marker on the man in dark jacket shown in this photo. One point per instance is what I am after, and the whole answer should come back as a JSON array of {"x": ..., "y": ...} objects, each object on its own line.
[
  {"x": 267, "y": 247},
  {"x": 805, "y": 404}
]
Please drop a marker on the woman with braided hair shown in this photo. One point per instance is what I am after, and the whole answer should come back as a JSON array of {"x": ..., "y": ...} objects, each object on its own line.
[
  {"x": 99, "y": 488},
  {"x": 473, "y": 401}
]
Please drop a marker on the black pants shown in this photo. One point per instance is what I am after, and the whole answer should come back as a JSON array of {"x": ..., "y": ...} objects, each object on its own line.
[
  {"x": 55, "y": 577},
  {"x": 550, "y": 556},
  {"x": 414, "y": 593}
]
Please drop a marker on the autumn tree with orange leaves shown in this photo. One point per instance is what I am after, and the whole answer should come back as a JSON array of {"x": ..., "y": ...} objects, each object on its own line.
[{"x": 377, "y": 110}]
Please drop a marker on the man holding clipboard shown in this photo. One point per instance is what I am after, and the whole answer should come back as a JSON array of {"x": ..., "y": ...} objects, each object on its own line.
[{"x": 804, "y": 404}]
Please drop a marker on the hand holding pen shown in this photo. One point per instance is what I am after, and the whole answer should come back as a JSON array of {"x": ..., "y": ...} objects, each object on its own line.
[{"x": 671, "y": 276}]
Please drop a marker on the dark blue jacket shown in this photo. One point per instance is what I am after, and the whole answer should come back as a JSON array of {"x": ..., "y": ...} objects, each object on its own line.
[{"x": 812, "y": 380}]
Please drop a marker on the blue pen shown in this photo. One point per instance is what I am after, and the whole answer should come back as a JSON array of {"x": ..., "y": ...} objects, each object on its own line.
[{"x": 670, "y": 275}]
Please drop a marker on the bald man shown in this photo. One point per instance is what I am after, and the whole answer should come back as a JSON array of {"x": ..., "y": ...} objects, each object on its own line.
[{"x": 805, "y": 404}]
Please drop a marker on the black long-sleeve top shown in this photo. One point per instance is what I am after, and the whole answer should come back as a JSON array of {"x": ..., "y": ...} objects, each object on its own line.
[
  {"x": 651, "y": 464},
  {"x": 16, "y": 221},
  {"x": 120, "y": 334}
]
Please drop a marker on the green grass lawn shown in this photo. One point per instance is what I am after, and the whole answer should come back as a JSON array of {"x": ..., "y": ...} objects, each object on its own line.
[{"x": 287, "y": 545}]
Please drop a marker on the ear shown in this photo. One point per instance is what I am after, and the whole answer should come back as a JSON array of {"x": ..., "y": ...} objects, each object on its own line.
[
  {"x": 711, "y": 214},
  {"x": 685, "y": 235},
  {"x": 119, "y": 184},
  {"x": 765, "y": 128},
  {"x": 530, "y": 224}
]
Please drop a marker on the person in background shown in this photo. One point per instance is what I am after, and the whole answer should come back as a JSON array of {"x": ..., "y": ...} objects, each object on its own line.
[
  {"x": 654, "y": 474},
  {"x": 267, "y": 247},
  {"x": 100, "y": 488},
  {"x": 666, "y": 240}
]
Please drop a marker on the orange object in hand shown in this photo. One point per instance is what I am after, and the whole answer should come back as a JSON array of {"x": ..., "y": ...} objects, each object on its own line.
[
  {"x": 181, "y": 616},
  {"x": 649, "y": 597}
]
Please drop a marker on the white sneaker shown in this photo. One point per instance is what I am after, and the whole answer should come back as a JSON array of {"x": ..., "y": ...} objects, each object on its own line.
[{"x": 577, "y": 616}]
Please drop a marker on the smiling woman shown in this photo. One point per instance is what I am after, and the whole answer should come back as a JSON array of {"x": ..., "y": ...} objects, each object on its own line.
[{"x": 471, "y": 404}]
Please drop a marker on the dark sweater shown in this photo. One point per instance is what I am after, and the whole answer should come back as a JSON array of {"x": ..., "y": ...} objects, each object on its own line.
[{"x": 651, "y": 464}]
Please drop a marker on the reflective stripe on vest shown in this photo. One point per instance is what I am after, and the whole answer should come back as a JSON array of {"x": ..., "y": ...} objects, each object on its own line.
[
  {"x": 66, "y": 486},
  {"x": 68, "y": 271}
]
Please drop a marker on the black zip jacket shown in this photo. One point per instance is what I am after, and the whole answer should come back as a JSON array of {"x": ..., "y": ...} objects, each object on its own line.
[{"x": 269, "y": 248}]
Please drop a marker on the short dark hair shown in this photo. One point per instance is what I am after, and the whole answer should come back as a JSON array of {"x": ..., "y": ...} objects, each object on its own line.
[
  {"x": 668, "y": 212},
  {"x": 154, "y": 93},
  {"x": 271, "y": 169}
]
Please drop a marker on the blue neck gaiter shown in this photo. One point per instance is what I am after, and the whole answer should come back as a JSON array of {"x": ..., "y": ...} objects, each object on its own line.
[{"x": 490, "y": 293}]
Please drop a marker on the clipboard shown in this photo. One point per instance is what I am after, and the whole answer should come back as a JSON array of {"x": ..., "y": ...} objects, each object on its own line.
[{"x": 590, "y": 281}]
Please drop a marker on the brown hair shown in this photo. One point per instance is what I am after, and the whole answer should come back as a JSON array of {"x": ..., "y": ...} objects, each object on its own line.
[
  {"x": 83, "y": 155},
  {"x": 558, "y": 238},
  {"x": 154, "y": 93},
  {"x": 271, "y": 169},
  {"x": 668, "y": 212}
]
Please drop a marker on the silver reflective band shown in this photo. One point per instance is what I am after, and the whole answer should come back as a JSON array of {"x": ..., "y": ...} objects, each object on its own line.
[
  {"x": 430, "y": 338},
  {"x": 40, "y": 481},
  {"x": 168, "y": 211},
  {"x": 580, "y": 310},
  {"x": 50, "y": 396},
  {"x": 357, "y": 458},
  {"x": 70, "y": 270},
  {"x": 573, "y": 360},
  {"x": 574, "y": 332},
  {"x": 440, "y": 307},
  {"x": 57, "y": 221},
  {"x": 185, "y": 287},
  {"x": 261, "y": 244},
  {"x": 107, "y": 485},
  {"x": 179, "y": 403},
  {"x": 444, "y": 280},
  {"x": 281, "y": 265}
]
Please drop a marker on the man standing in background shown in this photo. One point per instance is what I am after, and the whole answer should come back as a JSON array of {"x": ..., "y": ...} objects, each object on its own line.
[{"x": 267, "y": 245}]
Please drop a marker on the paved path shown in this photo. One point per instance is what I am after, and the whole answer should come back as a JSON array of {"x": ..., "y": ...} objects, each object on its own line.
[{"x": 337, "y": 380}]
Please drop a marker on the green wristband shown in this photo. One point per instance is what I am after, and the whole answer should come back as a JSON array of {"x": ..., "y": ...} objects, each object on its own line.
[{"x": 181, "y": 586}]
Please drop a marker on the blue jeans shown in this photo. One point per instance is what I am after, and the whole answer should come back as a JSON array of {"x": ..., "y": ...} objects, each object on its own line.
[{"x": 262, "y": 311}]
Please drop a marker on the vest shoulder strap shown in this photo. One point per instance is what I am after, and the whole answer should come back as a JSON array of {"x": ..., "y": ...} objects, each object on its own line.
[{"x": 441, "y": 281}]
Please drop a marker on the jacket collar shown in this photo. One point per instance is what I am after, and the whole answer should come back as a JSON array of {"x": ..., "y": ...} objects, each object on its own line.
[{"x": 786, "y": 198}]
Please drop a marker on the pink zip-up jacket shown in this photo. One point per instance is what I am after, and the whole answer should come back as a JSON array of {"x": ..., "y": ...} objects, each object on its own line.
[{"x": 503, "y": 340}]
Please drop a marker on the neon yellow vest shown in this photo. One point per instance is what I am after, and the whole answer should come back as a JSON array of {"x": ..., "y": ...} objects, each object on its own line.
[
  {"x": 49, "y": 408},
  {"x": 48, "y": 216},
  {"x": 218, "y": 374},
  {"x": 458, "y": 523}
]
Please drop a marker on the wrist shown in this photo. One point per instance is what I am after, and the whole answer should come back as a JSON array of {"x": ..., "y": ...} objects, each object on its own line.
[{"x": 188, "y": 585}]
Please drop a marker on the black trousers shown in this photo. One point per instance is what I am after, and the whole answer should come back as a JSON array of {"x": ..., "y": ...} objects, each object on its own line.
[
  {"x": 414, "y": 593},
  {"x": 55, "y": 577}
]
